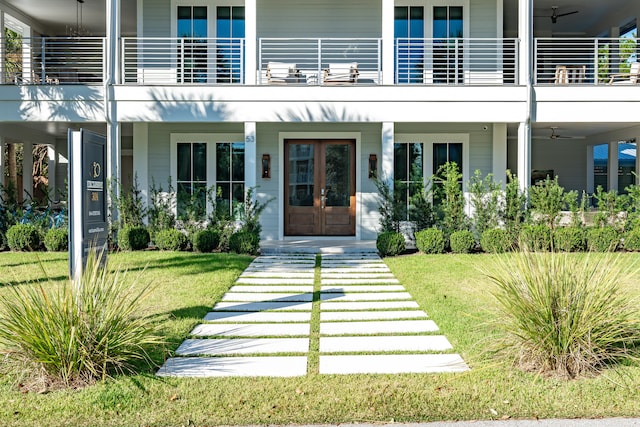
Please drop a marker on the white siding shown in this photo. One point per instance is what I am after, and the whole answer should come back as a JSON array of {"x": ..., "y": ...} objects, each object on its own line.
[
  {"x": 156, "y": 17},
  {"x": 567, "y": 159},
  {"x": 483, "y": 18},
  {"x": 329, "y": 18}
]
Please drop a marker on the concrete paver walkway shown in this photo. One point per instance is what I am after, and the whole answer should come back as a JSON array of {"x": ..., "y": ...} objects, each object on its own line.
[{"x": 368, "y": 323}]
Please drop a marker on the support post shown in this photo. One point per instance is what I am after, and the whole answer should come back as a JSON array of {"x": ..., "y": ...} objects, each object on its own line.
[
  {"x": 612, "y": 166},
  {"x": 251, "y": 40},
  {"x": 524, "y": 156},
  {"x": 499, "y": 164},
  {"x": 388, "y": 50},
  {"x": 388, "y": 139},
  {"x": 250, "y": 153},
  {"x": 27, "y": 170},
  {"x": 141, "y": 159}
]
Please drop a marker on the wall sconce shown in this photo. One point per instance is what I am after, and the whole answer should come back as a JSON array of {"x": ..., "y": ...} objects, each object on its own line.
[
  {"x": 266, "y": 166},
  {"x": 373, "y": 166}
]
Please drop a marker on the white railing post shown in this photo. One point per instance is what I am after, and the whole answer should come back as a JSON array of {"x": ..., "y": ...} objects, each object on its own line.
[
  {"x": 596, "y": 62},
  {"x": 319, "y": 62}
]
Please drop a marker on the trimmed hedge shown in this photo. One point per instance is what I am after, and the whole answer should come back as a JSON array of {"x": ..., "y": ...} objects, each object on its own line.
[
  {"x": 496, "y": 241},
  {"x": 604, "y": 239},
  {"x": 23, "y": 238},
  {"x": 171, "y": 239},
  {"x": 430, "y": 241},
  {"x": 57, "y": 239},
  {"x": 536, "y": 238},
  {"x": 632, "y": 240},
  {"x": 390, "y": 243},
  {"x": 205, "y": 240},
  {"x": 133, "y": 238},
  {"x": 244, "y": 242},
  {"x": 569, "y": 239},
  {"x": 462, "y": 242}
]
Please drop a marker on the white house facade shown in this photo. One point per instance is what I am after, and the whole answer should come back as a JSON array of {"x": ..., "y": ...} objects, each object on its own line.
[{"x": 310, "y": 101}]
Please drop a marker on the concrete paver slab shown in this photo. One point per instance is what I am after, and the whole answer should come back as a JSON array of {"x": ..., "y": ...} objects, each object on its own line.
[
  {"x": 360, "y": 288},
  {"x": 278, "y": 275},
  {"x": 367, "y": 305},
  {"x": 367, "y": 296},
  {"x": 379, "y": 327},
  {"x": 265, "y": 281},
  {"x": 220, "y": 346},
  {"x": 251, "y": 330},
  {"x": 259, "y": 317},
  {"x": 384, "y": 343},
  {"x": 262, "y": 306},
  {"x": 270, "y": 366},
  {"x": 328, "y": 316},
  {"x": 381, "y": 269},
  {"x": 266, "y": 297},
  {"x": 349, "y": 281},
  {"x": 392, "y": 364},
  {"x": 271, "y": 288}
]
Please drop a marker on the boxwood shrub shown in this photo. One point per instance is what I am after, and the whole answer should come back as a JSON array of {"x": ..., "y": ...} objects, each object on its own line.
[
  {"x": 244, "y": 242},
  {"x": 496, "y": 241},
  {"x": 430, "y": 241},
  {"x": 57, "y": 239},
  {"x": 23, "y": 237},
  {"x": 390, "y": 243},
  {"x": 569, "y": 239},
  {"x": 133, "y": 238},
  {"x": 535, "y": 237},
  {"x": 171, "y": 239},
  {"x": 205, "y": 240},
  {"x": 462, "y": 242},
  {"x": 632, "y": 240},
  {"x": 603, "y": 239}
]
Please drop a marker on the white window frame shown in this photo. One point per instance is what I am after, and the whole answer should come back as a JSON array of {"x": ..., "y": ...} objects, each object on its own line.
[{"x": 210, "y": 139}]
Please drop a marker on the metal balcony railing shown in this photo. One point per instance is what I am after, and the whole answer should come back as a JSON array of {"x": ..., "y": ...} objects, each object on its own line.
[
  {"x": 183, "y": 60},
  {"x": 456, "y": 61},
  {"x": 53, "y": 60},
  {"x": 587, "y": 61},
  {"x": 319, "y": 61}
]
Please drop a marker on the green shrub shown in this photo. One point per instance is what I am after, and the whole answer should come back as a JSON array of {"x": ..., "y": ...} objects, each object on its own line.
[
  {"x": 171, "y": 240},
  {"x": 632, "y": 240},
  {"x": 569, "y": 239},
  {"x": 23, "y": 237},
  {"x": 462, "y": 242},
  {"x": 602, "y": 239},
  {"x": 244, "y": 242},
  {"x": 79, "y": 332},
  {"x": 57, "y": 239},
  {"x": 205, "y": 240},
  {"x": 495, "y": 241},
  {"x": 390, "y": 243},
  {"x": 535, "y": 238},
  {"x": 430, "y": 241},
  {"x": 133, "y": 238},
  {"x": 564, "y": 315}
]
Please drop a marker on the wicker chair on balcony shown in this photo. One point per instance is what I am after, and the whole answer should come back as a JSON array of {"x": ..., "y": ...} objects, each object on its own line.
[
  {"x": 341, "y": 73},
  {"x": 630, "y": 78},
  {"x": 279, "y": 73}
]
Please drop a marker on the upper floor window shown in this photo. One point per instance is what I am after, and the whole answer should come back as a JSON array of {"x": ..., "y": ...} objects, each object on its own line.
[
  {"x": 230, "y": 31},
  {"x": 409, "y": 35}
]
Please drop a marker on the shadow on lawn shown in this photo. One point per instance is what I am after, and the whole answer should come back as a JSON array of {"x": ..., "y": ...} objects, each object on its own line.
[{"x": 195, "y": 263}]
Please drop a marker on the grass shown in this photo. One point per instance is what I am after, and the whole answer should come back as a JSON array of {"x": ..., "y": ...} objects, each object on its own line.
[{"x": 450, "y": 288}]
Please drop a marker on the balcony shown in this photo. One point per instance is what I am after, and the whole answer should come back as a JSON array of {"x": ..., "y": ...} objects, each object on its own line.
[
  {"x": 584, "y": 61},
  {"x": 53, "y": 60}
]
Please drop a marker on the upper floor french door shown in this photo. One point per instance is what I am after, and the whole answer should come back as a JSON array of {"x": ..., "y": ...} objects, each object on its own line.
[{"x": 448, "y": 54}]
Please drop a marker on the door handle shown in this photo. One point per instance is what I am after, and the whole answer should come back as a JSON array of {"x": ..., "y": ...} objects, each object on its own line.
[{"x": 322, "y": 198}]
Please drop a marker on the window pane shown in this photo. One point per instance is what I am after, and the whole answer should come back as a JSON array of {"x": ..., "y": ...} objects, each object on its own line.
[
  {"x": 223, "y": 199},
  {"x": 238, "y": 193},
  {"x": 455, "y": 154},
  {"x": 223, "y": 22},
  {"x": 184, "y": 21},
  {"x": 401, "y": 24},
  {"x": 200, "y": 21},
  {"x": 223, "y": 159},
  {"x": 416, "y": 162},
  {"x": 200, "y": 162},
  {"x": 455, "y": 21},
  {"x": 238, "y": 161},
  {"x": 416, "y": 26},
  {"x": 237, "y": 22},
  {"x": 183, "y": 199},
  {"x": 440, "y": 22},
  {"x": 184, "y": 162},
  {"x": 439, "y": 156},
  {"x": 400, "y": 162}
]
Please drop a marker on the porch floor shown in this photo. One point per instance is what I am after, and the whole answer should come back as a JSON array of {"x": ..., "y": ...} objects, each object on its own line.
[{"x": 314, "y": 246}]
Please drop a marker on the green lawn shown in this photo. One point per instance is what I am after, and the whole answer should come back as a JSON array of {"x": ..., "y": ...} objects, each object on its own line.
[{"x": 449, "y": 287}]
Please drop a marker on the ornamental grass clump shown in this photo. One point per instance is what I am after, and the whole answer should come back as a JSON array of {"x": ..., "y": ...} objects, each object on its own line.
[
  {"x": 79, "y": 332},
  {"x": 566, "y": 315}
]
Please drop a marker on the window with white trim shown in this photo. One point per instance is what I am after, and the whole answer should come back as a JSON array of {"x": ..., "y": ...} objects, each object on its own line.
[
  {"x": 229, "y": 176},
  {"x": 408, "y": 174},
  {"x": 191, "y": 182},
  {"x": 443, "y": 153}
]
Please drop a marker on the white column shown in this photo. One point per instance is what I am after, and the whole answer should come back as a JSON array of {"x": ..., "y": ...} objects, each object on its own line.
[
  {"x": 251, "y": 42},
  {"x": 52, "y": 154},
  {"x": 590, "y": 179},
  {"x": 141, "y": 159},
  {"x": 524, "y": 155},
  {"x": 112, "y": 50},
  {"x": 250, "y": 153},
  {"x": 2, "y": 54},
  {"x": 388, "y": 53},
  {"x": 499, "y": 164},
  {"x": 27, "y": 170},
  {"x": 388, "y": 139},
  {"x": 612, "y": 166},
  {"x": 112, "y": 77},
  {"x": 2, "y": 161},
  {"x": 525, "y": 34}
]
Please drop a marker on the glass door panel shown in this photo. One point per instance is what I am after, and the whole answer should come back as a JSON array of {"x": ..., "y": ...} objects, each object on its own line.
[
  {"x": 447, "y": 50},
  {"x": 409, "y": 37},
  {"x": 337, "y": 175},
  {"x": 192, "y": 48},
  {"x": 230, "y": 31}
]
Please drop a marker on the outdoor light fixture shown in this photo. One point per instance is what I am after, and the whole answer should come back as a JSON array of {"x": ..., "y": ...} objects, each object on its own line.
[
  {"x": 266, "y": 166},
  {"x": 373, "y": 166}
]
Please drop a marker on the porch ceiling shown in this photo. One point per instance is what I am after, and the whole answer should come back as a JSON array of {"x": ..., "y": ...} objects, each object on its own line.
[{"x": 590, "y": 133}]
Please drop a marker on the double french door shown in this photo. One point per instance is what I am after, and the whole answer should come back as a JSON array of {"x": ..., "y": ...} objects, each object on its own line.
[{"x": 320, "y": 188}]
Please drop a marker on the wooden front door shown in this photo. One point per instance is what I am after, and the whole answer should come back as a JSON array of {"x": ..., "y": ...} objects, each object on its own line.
[{"x": 320, "y": 196}]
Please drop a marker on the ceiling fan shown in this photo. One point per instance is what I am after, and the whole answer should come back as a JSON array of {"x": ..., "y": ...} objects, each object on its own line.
[
  {"x": 555, "y": 15},
  {"x": 555, "y": 135}
]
